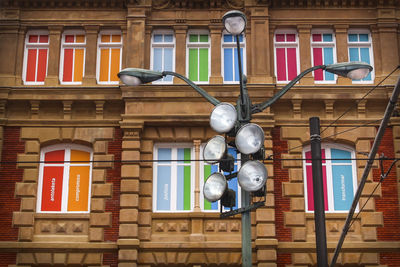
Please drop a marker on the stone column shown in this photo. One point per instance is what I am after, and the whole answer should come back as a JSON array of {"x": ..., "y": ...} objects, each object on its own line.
[
  {"x": 342, "y": 50},
  {"x": 216, "y": 32},
  {"x": 54, "y": 55},
  {"x": 20, "y": 56},
  {"x": 180, "y": 55},
  {"x": 90, "y": 57},
  {"x": 147, "y": 46},
  {"x": 135, "y": 48},
  {"x": 8, "y": 49},
  {"x": 389, "y": 50},
  {"x": 2, "y": 116},
  {"x": 305, "y": 53}
]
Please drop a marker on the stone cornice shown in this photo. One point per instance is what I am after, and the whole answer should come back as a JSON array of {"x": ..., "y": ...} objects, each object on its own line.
[{"x": 58, "y": 246}]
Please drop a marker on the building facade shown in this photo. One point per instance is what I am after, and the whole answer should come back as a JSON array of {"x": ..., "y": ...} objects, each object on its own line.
[{"x": 97, "y": 173}]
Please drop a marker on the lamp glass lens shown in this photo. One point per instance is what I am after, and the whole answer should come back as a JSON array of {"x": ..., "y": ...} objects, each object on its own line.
[
  {"x": 252, "y": 176},
  {"x": 358, "y": 74},
  {"x": 214, "y": 187},
  {"x": 130, "y": 80},
  {"x": 223, "y": 117},
  {"x": 235, "y": 25},
  {"x": 214, "y": 149},
  {"x": 249, "y": 138}
]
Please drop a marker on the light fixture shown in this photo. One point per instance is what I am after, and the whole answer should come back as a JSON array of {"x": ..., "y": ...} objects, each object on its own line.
[
  {"x": 223, "y": 117},
  {"x": 214, "y": 187},
  {"x": 234, "y": 22},
  {"x": 249, "y": 138},
  {"x": 215, "y": 149},
  {"x": 352, "y": 70},
  {"x": 135, "y": 76},
  {"x": 252, "y": 176}
]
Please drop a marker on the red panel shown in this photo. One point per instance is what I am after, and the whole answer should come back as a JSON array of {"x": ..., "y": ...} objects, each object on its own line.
[
  {"x": 68, "y": 61},
  {"x": 69, "y": 38},
  {"x": 281, "y": 64},
  {"x": 42, "y": 65},
  {"x": 57, "y": 155},
  {"x": 33, "y": 38},
  {"x": 292, "y": 63},
  {"x": 290, "y": 37},
  {"x": 317, "y": 54},
  {"x": 43, "y": 39},
  {"x": 308, "y": 157},
  {"x": 310, "y": 191},
  {"x": 317, "y": 37},
  {"x": 280, "y": 37},
  {"x": 31, "y": 65},
  {"x": 52, "y": 188}
]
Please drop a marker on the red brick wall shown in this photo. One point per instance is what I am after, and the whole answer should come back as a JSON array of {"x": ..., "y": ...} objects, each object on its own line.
[
  {"x": 110, "y": 259},
  {"x": 280, "y": 175},
  {"x": 283, "y": 259},
  {"x": 9, "y": 175},
  {"x": 7, "y": 259}
]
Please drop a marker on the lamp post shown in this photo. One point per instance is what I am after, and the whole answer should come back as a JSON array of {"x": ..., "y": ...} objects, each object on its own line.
[{"x": 235, "y": 121}]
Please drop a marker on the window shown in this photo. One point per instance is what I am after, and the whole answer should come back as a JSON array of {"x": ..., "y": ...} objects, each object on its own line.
[
  {"x": 109, "y": 56},
  {"x": 72, "y": 62},
  {"x": 230, "y": 66},
  {"x": 286, "y": 55},
  {"x": 360, "y": 49},
  {"x": 163, "y": 53},
  {"x": 198, "y": 65},
  {"x": 339, "y": 177},
  {"x": 208, "y": 169},
  {"x": 64, "y": 184},
  {"x": 174, "y": 174},
  {"x": 35, "y": 57},
  {"x": 323, "y": 53}
]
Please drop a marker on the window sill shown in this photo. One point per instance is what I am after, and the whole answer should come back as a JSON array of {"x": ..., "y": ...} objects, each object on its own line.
[
  {"x": 70, "y": 216},
  {"x": 177, "y": 215}
]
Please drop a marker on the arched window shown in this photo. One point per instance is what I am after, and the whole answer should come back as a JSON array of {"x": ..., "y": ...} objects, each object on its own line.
[
  {"x": 339, "y": 177},
  {"x": 64, "y": 179}
]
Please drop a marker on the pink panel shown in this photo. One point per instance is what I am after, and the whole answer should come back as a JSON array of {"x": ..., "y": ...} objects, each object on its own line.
[
  {"x": 290, "y": 37},
  {"x": 43, "y": 39},
  {"x": 317, "y": 54},
  {"x": 325, "y": 188},
  {"x": 317, "y": 37},
  {"x": 292, "y": 63},
  {"x": 33, "y": 38},
  {"x": 323, "y": 155},
  {"x": 308, "y": 157},
  {"x": 280, "y": 37},
  {"x": 310, "y": 191},
  {"x": 281, "y": 64}
]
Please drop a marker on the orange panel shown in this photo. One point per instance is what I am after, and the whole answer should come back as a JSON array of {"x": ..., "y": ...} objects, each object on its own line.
[
  {"x": 78, "y": 68},
  {"x": 104, "y": 64},
  {"x": 116, "y": 38},
  {"x": 80, "y": 39},
  {"x": 77, "y": 155},
  {"x": 78, "y": 194},
  {"x": 115, "y": 59},
  {"x": 105, "y": 38}
]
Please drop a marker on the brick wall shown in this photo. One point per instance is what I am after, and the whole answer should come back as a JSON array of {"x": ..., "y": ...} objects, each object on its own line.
[
  {"x": 281, "y": 175},
  {"x": 9, "y": 175},
  {"x": 283, "y": 259},
  {"x": 7, "y": 259}
]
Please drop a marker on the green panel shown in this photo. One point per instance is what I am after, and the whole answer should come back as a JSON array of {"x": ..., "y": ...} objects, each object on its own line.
[
  {"x": 193, "y": 64},
  {"x": 193, "y": 38},
  {"x": 207, "y": 172},
  {"x": 203, "y": 64},
  {"x": 186, "y": 156},
  {"x": 204, "y": 38},
  {"x": 186, "y": 187}
]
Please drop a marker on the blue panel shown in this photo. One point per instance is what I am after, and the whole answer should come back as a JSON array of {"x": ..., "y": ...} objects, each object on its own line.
[
  {"x": 340, "y": 154},
  {"x": 180, "y": 186},
  {"x": 363, "y": 37},
  {"x": 354, "y": 54},
  {"x": 236, "y": 65},
  {"x": 228, "y": 64},
  {"x": 214, "y": 205},
  {"x": 353, "y": 37},
  {"x": 228, "y": 38},
  {"x": 327, "y": 37},
  {"x": 233, "y": 184},
  {"x": 328, "y": 59},
  {"x": 158, "y": 38},
  {"x": 240, "y": 38},
  {"x": 342, "y": 187},
  {"x": 163, "y": 188},
  {"x": 168, "y": 38},
  {"x": 164, "y": 154},
  {"x": 365, "y": 58},
  {"x": 181, "y": 154},
  {"x": 157, "y": 59},
  {"x": 168, "y": 59}
]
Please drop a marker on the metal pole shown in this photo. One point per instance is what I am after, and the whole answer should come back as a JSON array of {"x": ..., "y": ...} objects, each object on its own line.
[
  {"x": 246, "y": 223},
  {"x": 319, "y": 206}
]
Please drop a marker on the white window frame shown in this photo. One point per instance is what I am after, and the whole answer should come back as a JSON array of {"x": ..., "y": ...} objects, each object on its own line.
[
  {"x": 174, "y": 164},
  {"x": 163, "y": 45},
  {"x": 362, "y": 45},
  {"x": 323, "y": 45},
  {"x": 232, "y": 45},
  {"x": 38, "y": 46},
  {"x": 101, "y": 45},
  {"x": 66, "y": 165},
  {"x": 198, "y": 45},
  {"x": 286, "y": 45},
  {"x": 329, "y": 181},
  {"x": 74, "y": 46}
]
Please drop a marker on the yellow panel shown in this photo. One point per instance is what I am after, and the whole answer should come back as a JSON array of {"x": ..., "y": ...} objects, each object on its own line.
[
  {"x": 78, "y": 65},
  {"x": 115, "y": 59},
  {"x": 105, "y": 38},
  {"x": 116, "y": 38},
  {"x": 77, "y": 155},
  {"x": 80, "y": 39},
  {"x": 78, "y": 191},
  {"x": 104, "y": 60}
]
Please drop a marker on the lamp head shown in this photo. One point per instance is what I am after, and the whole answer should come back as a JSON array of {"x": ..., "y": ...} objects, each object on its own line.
[
  {"x": 214, "y": 187},
  {"x": 234, "y": 22},
  {"x": 252, "y": 176},
  {"x": 215, "y": 149},
  {"x": 249, "y": 138},
  {"x": 135, "y": 76},
  {"x": 223, "y": 117},
  {"x": 352, "y": 70}
]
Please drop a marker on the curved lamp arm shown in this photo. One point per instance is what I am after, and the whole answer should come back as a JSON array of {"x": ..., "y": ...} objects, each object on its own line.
[{"x": 201, "y": 91}]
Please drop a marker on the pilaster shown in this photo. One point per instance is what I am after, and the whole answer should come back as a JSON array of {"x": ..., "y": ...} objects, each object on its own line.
[
  {"x": 341, "y": 46},
  {"x": 20, "y": 55},
  {"x": 215, "y": 32},
  {"x": 180, "y": 58},
  {"x": 54, "y": 55},
  {"x": 92, "y": 32},
  {"x": 305, "y": 53},
  {"x": 135, "y": 48}
]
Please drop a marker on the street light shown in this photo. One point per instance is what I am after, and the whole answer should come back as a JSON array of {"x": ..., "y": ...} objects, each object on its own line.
[{"x": 235, "y": 121}]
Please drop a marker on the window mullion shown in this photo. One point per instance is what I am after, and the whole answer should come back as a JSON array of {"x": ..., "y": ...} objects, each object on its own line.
[
  {"x": 174, "y": 176},
  {"x": 65, "y": 188}
]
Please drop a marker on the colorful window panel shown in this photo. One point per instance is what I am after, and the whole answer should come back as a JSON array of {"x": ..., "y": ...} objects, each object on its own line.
[
  {"x": 360, "y": 49},
  {"x": 73, "y": 58},
  {"x": 173, "y": 189},
  {"x": 36, "y": 57},
  {"x": 323, "y": 46},
  {"x": 286, "y": 51},
  {"x": 230, "y": 57},
  {"x": 198, "y": 57},
  {"x": 65, "y": 178},
  {"x": 109, "y": 57},
  {"x": 339, "y": 179},
  {"x": 163, "y": 53},
  {"x": 209, "y": 169}
]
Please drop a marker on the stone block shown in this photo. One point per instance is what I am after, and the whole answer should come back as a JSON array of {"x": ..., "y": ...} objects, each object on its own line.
[
  {"x": 130, "y": 171},
  {"x": 267, "y": 264},
  {"x": 293, "y": 189},
  {"x": 43, "y": 134},
  {"x": 27, "y": 160},
  {"x": 25, "y": 258},
  {"x": 299, "y": 234},
  {"x": 131, "y": 145},
  {"x": 265, "y": 230},
  {"x": 129, "y": 200},
  {"x": 129, "y": 186},
  {"x": 92, "y": 134},
  {"x": 99, "y": 176},
  {"x": 270, "y": 185},
  {"x": 296, "y": 175},
  {"x": 97, "y": 205},
  {"x": 100, "y": 219},
  {"x": 270, "y": 201},
  {"x": 32, "y": 147},
  {"x": 146, "y": 174},
  {"x": 371, "y": 219},
  {"x": 197, "y": 133},
  {"x": 301, "y": 258},
  {"x": 127, "y": 255},
  {"x": 128, "y": 215},
  {"x": 130, "y": 155},
  {"x": 369, "y": 258},
  {"x": 31, "y": 175},
  {"x": 145, "y": 203},
  {"x": 351, "y": 258},
  {"x": 266, "y": 255},
  {"x": 75, "y": 258},
  {"x": 294, "y": 218},
  {"x": 25, "y": 189},
  {"x": 265, "y": 215},
  {"x": 28, "y": 204},
  {"x": 93, "y": 258},
  {"x": 25, "y": 234},
  {"x": 67, "y": 133},
  {"x": 96, "y": 234},
  {"x": 302, "y": 133},
  {"x": 292, "y": 161},
  {"x": 182, "y": 133},
  {"x": 105, "y": 161},
  {"x": 22, "y": 219},
  {"x": 369, "y": 233},
  {"x": 144, "y": 233},
  {"x": 369, "y": 188},
  {"x": 102, "y": 190},
  {"x": 146, "y": 146},
  {"x": 59, "y": 258},
  {"x": 43, "y": 258},
  {"x": 295, "y": 146},
  {"x": 297, "y": 204},
  {"x": 144, "y": 218},
  {"x": 100, "y": 147},
  {"x": 363, "y": 146},
  {"x": 128, "y": 230},
  {"x": 146, "y": 189},
  {"x": 130, "y": 264},
  {"x": 369, "y": 206}
]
